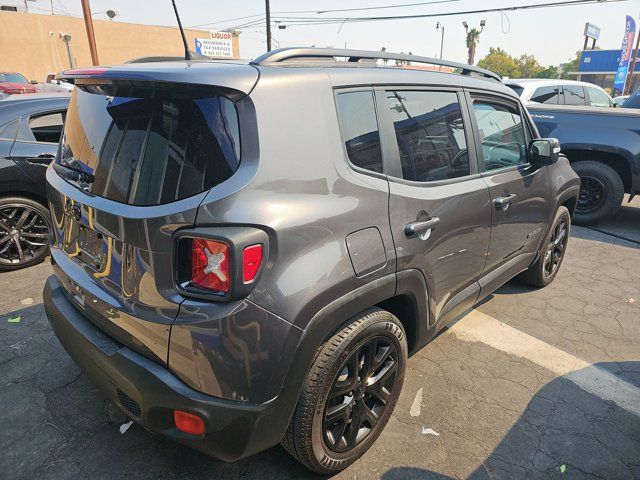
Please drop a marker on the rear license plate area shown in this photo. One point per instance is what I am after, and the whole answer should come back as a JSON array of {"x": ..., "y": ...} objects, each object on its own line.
[{"x": 91, "y": 247}]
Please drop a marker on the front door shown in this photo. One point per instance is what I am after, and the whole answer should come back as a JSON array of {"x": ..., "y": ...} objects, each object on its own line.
[
  {"x": 519, "y": 192},
  {"x": 440, "y": 209}
]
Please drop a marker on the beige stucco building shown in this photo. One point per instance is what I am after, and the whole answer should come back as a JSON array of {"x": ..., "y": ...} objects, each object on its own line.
[{"x": 34, "y": 44}]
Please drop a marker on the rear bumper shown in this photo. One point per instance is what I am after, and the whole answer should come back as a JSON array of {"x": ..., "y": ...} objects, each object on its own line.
[{"x": 149, "y": 393}]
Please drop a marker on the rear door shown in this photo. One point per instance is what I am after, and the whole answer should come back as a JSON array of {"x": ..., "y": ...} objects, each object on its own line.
[
  {"x": 152, "y": 153},
  {"x": 37, "y": 142},
  {"x": 440, "y": 211},
  {"x": 520, "y": 193}
]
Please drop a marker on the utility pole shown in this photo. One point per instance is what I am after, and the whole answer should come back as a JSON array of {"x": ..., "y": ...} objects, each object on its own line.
[
  {"x": 439, "y": 26},
  {"x": 88, "y": 23},
  {"x": 632, "y": 67},
  {"x": 268, "y": 9},
  {"x": 473, "y": 37}
]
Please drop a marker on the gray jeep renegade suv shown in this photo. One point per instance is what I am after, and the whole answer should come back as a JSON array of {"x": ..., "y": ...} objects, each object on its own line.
[{"x": 247, "y": 253}]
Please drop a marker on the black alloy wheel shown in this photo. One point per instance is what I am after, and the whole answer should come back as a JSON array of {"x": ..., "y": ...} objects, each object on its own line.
[
  {"x": 360, "y": 394},
  {"x": 592, "y": 195},
  {"x": 556, "y": 247},
  {"x": 24, "y": 234}
]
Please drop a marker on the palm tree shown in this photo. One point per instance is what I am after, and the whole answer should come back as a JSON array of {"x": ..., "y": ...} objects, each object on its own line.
[{"x": 473, "y": 37}]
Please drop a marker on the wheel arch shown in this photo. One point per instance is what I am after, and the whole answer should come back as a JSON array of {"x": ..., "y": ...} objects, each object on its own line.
[
  {"x": 403, "y": 294},
  {"x": 620, "y": 163}
]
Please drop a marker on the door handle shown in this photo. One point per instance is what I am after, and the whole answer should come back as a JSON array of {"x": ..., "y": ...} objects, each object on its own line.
[
  {"x": 502, "y": 203},
  {"x": 421, "y": 229},
  {"x": 44, "y": 159}
]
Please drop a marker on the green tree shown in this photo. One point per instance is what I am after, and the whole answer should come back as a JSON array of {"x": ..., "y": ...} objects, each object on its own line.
[
  {"x": 572, "y": 65},
  {"x": 500, "y": 62},
  {"x": 549, "y": 72},
  {"x": 529, "y": 66}
]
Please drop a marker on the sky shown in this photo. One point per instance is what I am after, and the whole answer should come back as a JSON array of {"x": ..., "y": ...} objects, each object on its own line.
[{"x": 552, "y": 35}]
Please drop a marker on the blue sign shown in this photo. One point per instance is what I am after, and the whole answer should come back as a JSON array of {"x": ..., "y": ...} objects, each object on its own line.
[
  {"x": 620, "y": 80},
  {"x": 592, "y": 31}
]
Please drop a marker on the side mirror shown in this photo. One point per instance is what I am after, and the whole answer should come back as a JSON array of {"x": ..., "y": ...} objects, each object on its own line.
[{"x": 544, "y": 151}]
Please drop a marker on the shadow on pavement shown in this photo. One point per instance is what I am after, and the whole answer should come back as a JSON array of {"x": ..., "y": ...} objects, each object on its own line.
[{"x": 562, "y": 426}]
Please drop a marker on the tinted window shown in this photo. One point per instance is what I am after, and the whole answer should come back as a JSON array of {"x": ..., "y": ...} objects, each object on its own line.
[
  {"x": 501, "y": 134},
  {"x": 46, "y": 128},
  {"x": 548, "y": 95},
  {"x": 430, "y": 135},
  {"x": 149, "y": 151},
  {"x": 597, "y": 98},
  {"x": 516, "y": 88},
  {"x": 573, "y": 95},
  {"x": 359, "y": 127},
  {"x": 12, "y": 77}
]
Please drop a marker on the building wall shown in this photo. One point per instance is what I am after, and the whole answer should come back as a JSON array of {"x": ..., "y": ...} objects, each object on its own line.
[{"x": 32, "y": 43}]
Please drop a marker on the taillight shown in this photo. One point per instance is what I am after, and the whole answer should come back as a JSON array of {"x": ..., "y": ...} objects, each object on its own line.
[
  {"x": 251, "y": 260},
  {"x": 210, "y": 265}
]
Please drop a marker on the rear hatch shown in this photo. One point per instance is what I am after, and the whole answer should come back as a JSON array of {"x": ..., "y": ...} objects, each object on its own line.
[{"x": 137, "y": 157}]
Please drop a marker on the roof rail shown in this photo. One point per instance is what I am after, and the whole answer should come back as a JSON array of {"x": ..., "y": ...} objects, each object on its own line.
[{"x": 309, "y": 54}]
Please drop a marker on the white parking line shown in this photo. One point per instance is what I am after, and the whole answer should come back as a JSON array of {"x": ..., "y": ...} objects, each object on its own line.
[{"x": 479, "y": 327}]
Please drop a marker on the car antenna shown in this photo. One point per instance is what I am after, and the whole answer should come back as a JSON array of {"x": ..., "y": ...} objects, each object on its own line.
[{"x": 187, "y": 52}]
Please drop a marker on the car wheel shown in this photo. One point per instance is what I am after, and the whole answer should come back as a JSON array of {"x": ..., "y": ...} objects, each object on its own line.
[
  {"x": 545, "y": 269},
  {"x": 601, "y": 192},
  {"x": 24, "y": 233},
  {"x": 349, "y": 393}
]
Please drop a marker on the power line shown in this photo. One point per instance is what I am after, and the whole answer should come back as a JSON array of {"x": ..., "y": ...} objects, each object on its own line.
[
  {"x": 320, "y": 12},
  {"x": 333, "y": 21}
]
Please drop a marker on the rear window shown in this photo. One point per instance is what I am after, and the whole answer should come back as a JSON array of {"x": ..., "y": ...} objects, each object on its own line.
[
  {"x": 548, "y": 95},
  {"x": 574, "y": 95},
  {"x": 154, "y": 149},
  {"x": 516, "y": 88}
]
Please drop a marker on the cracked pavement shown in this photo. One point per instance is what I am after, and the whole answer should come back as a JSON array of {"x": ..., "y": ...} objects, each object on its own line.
[{"x": 492, "y": 413}]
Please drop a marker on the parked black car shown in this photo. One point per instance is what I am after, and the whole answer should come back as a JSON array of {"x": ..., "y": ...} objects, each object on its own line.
[
  {"x": 603, "y": 147},
  {"x": 633, "y": 101},
  {"x": 246, "y": 254},
  {"x": 30, "y": 129}
]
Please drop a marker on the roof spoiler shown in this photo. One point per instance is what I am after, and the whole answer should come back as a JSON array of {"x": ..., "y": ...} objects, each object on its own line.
[{"x": 284, "y": 55}]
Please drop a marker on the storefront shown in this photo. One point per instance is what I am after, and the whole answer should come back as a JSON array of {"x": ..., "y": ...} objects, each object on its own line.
[{"x": 600, "y": 66}]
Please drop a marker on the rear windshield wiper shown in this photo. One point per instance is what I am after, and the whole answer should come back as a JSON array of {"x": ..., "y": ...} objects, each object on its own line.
[{"x": 73, "y": 174}]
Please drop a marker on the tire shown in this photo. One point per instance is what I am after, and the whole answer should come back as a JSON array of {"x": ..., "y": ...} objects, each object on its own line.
[
  {"x": 552, "y": 253},
  {"x": 321, "y": 447},
  {"x": 31, "y": 234},
  {"x": 601, "y": 192}
]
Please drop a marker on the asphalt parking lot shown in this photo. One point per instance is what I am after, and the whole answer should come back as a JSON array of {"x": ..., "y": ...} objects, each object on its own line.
[{"x": 531, "y": 383}]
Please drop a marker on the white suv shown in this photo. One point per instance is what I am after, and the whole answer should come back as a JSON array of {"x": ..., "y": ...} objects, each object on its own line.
[{"x": 560, "y": 92}]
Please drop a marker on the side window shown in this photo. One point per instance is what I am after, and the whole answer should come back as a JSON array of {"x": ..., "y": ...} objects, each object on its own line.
[
  {"x": 430, "y": 135},
  {"x": 573, "y": 95},
  {"x": 597, "y": 98},
  {"x": 501, "y": 134},
  {"x": 359, "y": 128},
  {"x": 42, "y": 128},
  {"x": 548, "y": 95}
]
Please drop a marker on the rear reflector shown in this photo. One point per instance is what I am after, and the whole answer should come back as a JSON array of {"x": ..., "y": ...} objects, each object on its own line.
[
  {"x": 210, "y": 265},
  {"x": 188, "y": 422},
  {"x": 251, "y": 260}
]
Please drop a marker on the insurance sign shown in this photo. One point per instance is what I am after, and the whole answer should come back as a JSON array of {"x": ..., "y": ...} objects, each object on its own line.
[
  {"x": 625, "y": 55},
  {"x": 219, "y": 45},
  {"x": 592, "y": 31}
]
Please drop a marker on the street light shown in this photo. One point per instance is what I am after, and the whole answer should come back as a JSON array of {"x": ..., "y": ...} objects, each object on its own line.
[{"x": 439, "y": 26}]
